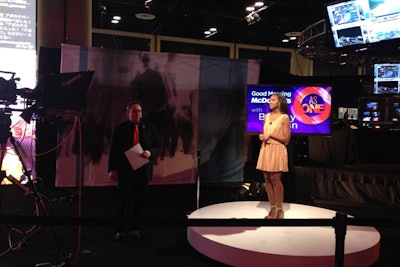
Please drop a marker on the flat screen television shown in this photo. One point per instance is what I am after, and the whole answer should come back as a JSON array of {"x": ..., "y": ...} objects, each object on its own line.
[
  {"x": 309, "y": 107},
  {"x": 358, "y": 22},
  {"x": 350, "y": 114},
  {"x": 386, "y": 78},
  {"x": 373, "y": 112},
  {"x": 394, "y": 111}
]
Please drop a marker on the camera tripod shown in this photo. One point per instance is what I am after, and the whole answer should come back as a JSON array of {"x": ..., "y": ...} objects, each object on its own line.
[{"x": 29, "y": 189}]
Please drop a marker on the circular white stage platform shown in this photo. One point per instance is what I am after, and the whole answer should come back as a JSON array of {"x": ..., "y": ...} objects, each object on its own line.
[{"x": 279, "y": 246}]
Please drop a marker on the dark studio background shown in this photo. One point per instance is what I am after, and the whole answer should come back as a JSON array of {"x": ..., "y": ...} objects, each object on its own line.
[{"x": 360, "y": 159}]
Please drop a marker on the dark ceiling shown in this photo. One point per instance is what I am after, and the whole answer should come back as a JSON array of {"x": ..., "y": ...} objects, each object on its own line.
[{"x": 190, "y": 18}]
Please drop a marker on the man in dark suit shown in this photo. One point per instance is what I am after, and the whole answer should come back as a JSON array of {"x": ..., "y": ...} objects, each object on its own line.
[{"x": 132, "y": 183}]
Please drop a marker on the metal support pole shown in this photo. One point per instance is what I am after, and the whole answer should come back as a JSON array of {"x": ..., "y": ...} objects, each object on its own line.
[
  {"x": 198, "y": 179},
  {"x": 340, "y": 224}
]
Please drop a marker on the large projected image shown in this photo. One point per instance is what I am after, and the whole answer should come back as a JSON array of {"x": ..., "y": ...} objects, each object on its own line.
[
  {"x": 309, "y": 107},
  {"x": 18, "y": 40},
  {"x": 17, "y": 71}
]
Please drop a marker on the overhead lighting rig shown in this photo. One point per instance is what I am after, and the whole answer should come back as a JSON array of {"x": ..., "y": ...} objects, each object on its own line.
[
  {"x": 254, "y": 10},
  {"x": 146, "y": 15}
]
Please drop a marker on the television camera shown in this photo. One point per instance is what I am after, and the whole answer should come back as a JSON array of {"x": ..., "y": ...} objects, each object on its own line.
[
  {"x": 55, "y": 93},
  {"x": 8, "y": 96}
]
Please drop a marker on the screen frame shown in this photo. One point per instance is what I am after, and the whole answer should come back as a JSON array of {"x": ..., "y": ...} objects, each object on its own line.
[
  {"x": 370, "y": 36},
  {"x": 382, "y": 102},
  {"x": 378, "y": 80},
  {"x": 319, "y": 124},
  {"x": 394, "y": 111}
]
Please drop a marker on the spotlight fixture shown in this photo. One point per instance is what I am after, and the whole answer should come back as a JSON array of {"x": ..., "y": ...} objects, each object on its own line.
[
  {"x": 291, "y": 36},
  {"x": 259, "y": 4},
  {"x": 253, "y": 16},
  {"x": 147, "y": 3},
  {"x": 250, "y": 8},
  {"x": 210, "y": 32},
  {"x": 116, "y": 19},
  {"x": 146, "y": 15},
  {"x": 103, "y": 10}
]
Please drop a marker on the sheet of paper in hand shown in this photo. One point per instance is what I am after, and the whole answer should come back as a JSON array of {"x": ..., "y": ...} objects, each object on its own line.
[{"x": 133, "y": 155}]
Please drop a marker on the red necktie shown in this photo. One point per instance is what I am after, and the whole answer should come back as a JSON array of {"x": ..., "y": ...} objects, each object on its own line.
[{"x": 136, "y": 135}]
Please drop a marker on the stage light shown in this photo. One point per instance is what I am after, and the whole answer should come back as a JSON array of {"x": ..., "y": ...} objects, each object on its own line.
[
  {"x": 253, "y": 16},
  {"x": 292, "y": 36},
  {"x": 210, "y": 32},
  {"x": 116, "y": 19},
  {"x": 148, "y": 4}
]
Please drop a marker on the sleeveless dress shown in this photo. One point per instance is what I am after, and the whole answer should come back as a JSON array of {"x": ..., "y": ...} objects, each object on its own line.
[{"x": 273, "y": 156}]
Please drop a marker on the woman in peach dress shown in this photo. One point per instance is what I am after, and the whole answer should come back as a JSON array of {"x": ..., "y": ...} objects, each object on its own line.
[{"x": 273, "y": 157}]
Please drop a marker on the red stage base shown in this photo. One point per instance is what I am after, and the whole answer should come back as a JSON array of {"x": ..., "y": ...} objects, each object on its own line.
[{"x": 279, "y": 246}]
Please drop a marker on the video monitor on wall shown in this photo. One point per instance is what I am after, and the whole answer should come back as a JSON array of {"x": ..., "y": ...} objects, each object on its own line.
[
  {"x": 387, "y": 78},
  {"x": 359, "y": 22},
  {"x": 309, "y": 107}
]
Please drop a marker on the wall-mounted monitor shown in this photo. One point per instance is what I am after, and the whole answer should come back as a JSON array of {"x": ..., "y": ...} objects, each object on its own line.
[
  {"x": 309, "y": 107},
  {"x": 387, "y": 78},
  {"x": 358, "y": 22}
]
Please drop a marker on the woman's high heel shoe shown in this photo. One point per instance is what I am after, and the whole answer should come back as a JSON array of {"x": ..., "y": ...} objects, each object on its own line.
[
  {"x": 280, "y": 214},
  {"x": 271, "y": 213}
]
